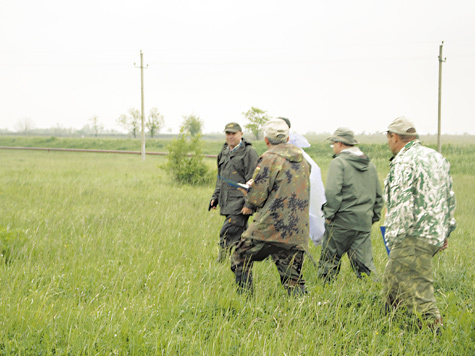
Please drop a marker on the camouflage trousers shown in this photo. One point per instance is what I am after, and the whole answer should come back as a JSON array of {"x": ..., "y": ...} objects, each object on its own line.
[
  {"x": 233, "y": 227},
  {"x": 407, "y": 279},
  {"x": 287, "y": 258},
  {"x": 336, "y": 242}
]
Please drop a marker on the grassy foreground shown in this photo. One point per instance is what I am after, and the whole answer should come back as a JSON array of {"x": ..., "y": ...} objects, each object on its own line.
[{"x": 104, "y": 255}]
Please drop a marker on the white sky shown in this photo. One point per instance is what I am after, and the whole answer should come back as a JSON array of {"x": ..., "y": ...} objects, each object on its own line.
[{"x": 323, "y": 64}]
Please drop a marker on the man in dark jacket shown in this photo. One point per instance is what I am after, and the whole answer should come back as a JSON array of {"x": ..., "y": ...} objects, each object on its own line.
[
  {"x": 280, "y": 229},
  {"x": 236, "y": 162},
  {"x": 354, "y": 202}
]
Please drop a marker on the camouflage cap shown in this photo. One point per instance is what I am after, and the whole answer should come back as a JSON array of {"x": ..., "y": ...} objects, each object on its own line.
[
  {"x": 276, "y": 129},
  {"x": 402, "y": 126},
  {"x": 233, "y": 127},
  {"x": 343, "y": 135}
]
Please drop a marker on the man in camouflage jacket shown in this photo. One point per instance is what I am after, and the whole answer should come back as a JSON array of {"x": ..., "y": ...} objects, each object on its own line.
[
  {"x": 280, "y": 229},
  {"x": 419, "y": 220},
  {"x": 236, "y": 161}
]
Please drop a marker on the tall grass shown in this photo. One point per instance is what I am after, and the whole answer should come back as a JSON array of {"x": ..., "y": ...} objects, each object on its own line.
[{"x": 118, "y": 259}]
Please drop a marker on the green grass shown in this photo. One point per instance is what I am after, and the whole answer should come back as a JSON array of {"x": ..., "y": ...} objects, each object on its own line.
[{"x": 114, "y": 258}]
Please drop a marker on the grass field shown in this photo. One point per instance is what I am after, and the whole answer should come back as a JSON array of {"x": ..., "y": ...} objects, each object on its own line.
[{"x": 104, "y": 255}]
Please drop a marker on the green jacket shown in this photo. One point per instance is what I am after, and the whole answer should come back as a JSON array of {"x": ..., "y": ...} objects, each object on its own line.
[
  {"x": 239, "y": 167},
  {"x": 353, "y": 192},
  {"x": 280, "y": 194},
  {"x": 419, "y": 196}
]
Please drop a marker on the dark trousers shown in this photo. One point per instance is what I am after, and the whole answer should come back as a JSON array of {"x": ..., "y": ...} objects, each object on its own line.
[
  {"x": 336, "y": 242},
  {"x": 287, "y": 258},
  {"x": 233, "y": 227}
]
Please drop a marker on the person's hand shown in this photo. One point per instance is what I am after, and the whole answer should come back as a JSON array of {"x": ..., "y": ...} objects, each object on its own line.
[
  {"x": 246, "y": 211},
  {"x": 243, "y": 191},
  {"x": 212, "y": 205},
  {"x": 249, "y": 182},
  {"x": 445, "y": 245},
  {"x": 328, "y": 221}
]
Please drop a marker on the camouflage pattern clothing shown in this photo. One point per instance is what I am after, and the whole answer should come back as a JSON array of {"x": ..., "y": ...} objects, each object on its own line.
[
  {"x": 419, "y": 196},
  {"x": 280, "y": 229},
  {"x": 420, "y": 216},
  {"x": 354, "y": 203},
  {"x": 280, "y": 194},
  {"x": 407, "y": 279},
  {"x": 238, "y": 165}
]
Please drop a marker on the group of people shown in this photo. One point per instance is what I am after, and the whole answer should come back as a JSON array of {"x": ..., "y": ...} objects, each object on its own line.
[{"x": 289, "y": 204}]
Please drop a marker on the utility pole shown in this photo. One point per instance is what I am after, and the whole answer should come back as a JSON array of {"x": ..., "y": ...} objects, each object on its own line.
[
  {"x": 142, "y": 104},
  {"x": 439, "y": 127}
]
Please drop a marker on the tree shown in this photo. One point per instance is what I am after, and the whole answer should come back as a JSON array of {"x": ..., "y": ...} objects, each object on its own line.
[
  {"x": 185, "y": 160},
  {"x": 96, "y": 126},
  {"x": 131, "y": 121},
  {"x": 155, "y": 121},
  {"x": 192, "y": 124},
  {"x": 257, "y": 119},
  {"x": 25, "y": 125}
]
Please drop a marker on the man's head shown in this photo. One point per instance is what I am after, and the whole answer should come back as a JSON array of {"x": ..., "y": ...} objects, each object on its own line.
[
  {"x": 399, "y": 133},
  {"x": 276, "y": 131},
  {"x": 342, "y": 138},
  {"x": 233, "y": 134}
]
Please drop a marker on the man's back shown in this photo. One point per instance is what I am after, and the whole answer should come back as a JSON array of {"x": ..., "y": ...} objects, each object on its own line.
[
  {"x": 419, "y": 195},
  {"x": 353, "y": 191}
]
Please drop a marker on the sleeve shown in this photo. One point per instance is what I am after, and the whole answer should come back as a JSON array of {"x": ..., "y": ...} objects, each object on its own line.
[
  {"x": 333, "y": 190},
  {"x": 402, "y": 193},
  {"x": 217, "y": 188},
  {"x": 378, "y": 204},
  {"x": 451, "y": 205},
  {"x": 263, "y": 183}
]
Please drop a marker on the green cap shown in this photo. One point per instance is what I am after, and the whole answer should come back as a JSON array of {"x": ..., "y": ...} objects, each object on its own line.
[
  {"x": 233, "y": 127},
  {"x": 343, "y": 135}
]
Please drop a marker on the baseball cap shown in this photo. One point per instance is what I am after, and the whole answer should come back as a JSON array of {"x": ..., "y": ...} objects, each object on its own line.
[
  {"x": 233, "y": 127},
  {"x": 402, "y": 126},
  {"x": 276, "y": 129}
]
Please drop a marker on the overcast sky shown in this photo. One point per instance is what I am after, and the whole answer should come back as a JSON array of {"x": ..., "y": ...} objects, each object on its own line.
[{"x": 323, "y": 64}]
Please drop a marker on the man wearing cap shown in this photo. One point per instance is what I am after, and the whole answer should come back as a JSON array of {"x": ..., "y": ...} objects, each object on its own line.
[
  {"x": 354, "y": 202},
  {"x": 280, "y": 194},
  {"x": 236, "y": 161},
  {"x": 419, "y": 219},
  {"x": 317, "y": 190}
]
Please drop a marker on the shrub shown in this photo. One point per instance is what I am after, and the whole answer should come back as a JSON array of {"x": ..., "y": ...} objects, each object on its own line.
[{"x": 185, "y": 159}]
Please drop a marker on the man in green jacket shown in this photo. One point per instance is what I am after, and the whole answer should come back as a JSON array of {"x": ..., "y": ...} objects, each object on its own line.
[
  {"x": 354, "y": 203},
  {"x": 236, "y": 161},
  {"x": 280, "y": 229}
]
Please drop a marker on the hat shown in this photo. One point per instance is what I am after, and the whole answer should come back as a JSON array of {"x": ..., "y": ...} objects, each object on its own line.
[
  {"x": 233, "y": 127},
  {"x": 343, "y": 135},
  {"x": 402, "y": 126},
  {"x": 276, "y": 130},
  {"x": 287, "y": 121}
]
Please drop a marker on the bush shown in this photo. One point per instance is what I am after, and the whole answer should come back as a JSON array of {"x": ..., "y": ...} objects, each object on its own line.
[{"x": 185, "y": 160}]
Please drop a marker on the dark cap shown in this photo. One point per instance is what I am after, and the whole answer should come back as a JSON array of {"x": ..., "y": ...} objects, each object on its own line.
[{"x": 233, "y": 127}]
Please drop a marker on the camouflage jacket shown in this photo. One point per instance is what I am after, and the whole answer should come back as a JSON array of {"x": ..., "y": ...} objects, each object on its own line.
[
  {"x": 237, "y": 166},
  {"x": 280, "y": 194},
  {"x": 419, "y": 196}
]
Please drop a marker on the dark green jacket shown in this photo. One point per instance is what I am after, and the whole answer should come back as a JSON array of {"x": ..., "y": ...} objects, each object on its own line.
[
  {"x": 239, "y": 167},
  {"x": 280, "y": 194},
  {"x": 353, "y": 192}
]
